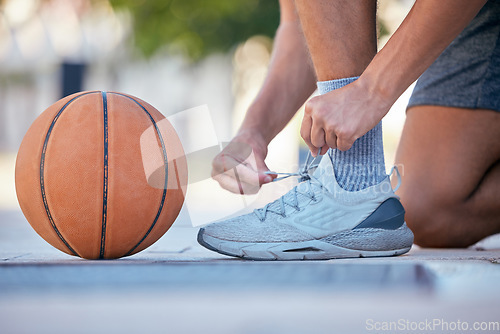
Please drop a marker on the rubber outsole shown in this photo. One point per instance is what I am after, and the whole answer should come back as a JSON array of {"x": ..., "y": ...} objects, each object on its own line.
[{"x": 291, "y": 251}]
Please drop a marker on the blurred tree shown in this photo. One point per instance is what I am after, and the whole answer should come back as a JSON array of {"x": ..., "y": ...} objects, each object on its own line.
[{"x": 197, "y": 28}]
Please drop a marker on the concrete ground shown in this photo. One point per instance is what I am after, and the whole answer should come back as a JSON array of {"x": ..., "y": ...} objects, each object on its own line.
[{"x": 176, "y": 286}]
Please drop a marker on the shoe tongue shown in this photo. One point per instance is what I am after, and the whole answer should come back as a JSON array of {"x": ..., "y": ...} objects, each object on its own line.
[{"x": 325, "y": 173}]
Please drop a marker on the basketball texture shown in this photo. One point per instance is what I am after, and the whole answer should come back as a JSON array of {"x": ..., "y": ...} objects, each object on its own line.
[{"x": 82, "y": 175}]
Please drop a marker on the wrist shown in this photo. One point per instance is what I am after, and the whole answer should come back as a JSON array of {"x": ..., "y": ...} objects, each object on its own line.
[
  {"x": 258, "y": 125},
  {"x": 379, "y": 91},
  {"x": 254, "y": 138}
]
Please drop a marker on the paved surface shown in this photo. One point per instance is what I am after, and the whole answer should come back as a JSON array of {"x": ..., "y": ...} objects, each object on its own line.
[{"x": 176, "y": 286}]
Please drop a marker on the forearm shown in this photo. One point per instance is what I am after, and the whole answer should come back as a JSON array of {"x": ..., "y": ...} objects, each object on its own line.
[
  {"x": 427, "y": 30},
  {"x": 290, "y": 81}
]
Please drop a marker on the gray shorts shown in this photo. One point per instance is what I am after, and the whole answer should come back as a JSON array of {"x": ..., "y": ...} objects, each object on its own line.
[{"x": 467, "y": 73}]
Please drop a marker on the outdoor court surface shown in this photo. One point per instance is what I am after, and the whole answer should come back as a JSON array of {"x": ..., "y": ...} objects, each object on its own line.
[{"x": 176, "y": 286}]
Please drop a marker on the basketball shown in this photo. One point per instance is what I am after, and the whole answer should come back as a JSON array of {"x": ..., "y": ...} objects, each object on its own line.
[{"x": 101, "y": 175}]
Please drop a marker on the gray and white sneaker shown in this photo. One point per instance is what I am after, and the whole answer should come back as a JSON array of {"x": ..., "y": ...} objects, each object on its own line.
[{"x": 316, "y": 220}]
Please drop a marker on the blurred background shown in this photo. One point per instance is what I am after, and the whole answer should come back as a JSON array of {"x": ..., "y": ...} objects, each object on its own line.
[{"x": 175, "y": 54}]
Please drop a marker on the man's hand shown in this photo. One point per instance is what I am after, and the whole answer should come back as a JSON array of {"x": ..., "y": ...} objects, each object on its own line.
[
  {"x": 338, "y": 118},
  {"x": 240, "y": 167}
]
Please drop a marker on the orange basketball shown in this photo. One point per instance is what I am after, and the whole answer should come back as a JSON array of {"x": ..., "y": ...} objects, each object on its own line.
[{"x": 101, "y": 175}]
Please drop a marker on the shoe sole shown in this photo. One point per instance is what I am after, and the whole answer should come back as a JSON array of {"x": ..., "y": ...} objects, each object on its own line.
[{"x": 312, "y": 249}]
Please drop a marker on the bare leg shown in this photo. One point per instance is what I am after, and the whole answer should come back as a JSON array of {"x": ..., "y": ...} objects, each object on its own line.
[
  {"x": 451, "y": 182},
  {"x": 341, "y": 35}
]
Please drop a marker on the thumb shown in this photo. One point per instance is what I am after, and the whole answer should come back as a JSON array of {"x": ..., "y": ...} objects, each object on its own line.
[{"x": 263, "y": 176}]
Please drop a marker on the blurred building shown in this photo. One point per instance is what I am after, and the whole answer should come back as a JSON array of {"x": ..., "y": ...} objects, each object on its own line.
[{"x": 51, "y": 48}]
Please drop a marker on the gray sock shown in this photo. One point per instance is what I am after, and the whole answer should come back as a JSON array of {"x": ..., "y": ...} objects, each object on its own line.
[{"x": 363, "y": 164}]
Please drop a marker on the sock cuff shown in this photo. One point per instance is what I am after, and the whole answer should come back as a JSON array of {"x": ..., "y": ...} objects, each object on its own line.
[
  {"x": 327, "y": 86},
  {"x": 362, "y": 165}
]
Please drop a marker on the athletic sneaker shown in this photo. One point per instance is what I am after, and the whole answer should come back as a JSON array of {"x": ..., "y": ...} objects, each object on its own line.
[{"x": 316, "y": 220}]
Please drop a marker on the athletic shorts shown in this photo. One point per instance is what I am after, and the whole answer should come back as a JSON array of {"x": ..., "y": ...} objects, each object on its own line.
[{"x": 467, "y": 73}]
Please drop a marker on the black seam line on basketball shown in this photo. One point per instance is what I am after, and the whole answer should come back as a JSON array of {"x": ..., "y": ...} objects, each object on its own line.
[
  {"x": 105, "y": 176},
  {"x": 42, "y": 169},
  {"x": 165, "y": 162}
]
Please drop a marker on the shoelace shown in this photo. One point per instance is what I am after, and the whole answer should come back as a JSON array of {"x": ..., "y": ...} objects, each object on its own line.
[{"x": 304, "y": 176}]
